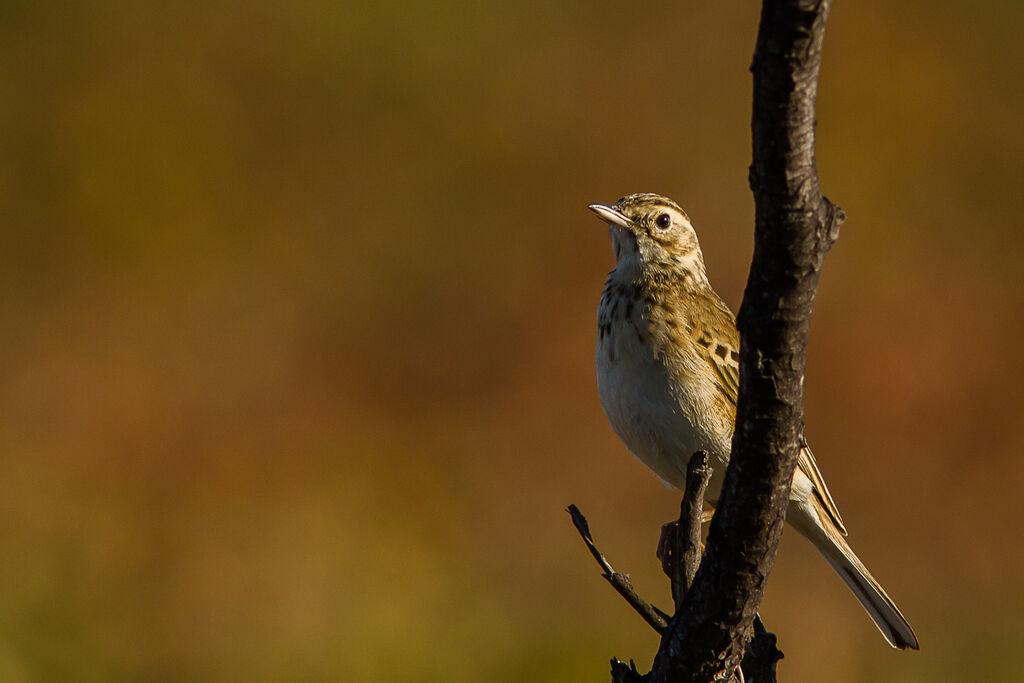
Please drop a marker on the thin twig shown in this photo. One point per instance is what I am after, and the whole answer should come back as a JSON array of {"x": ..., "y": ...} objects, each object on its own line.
[{"x": 657, "y": 619}]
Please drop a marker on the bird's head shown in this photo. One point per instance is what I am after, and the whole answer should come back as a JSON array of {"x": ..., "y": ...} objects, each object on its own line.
[{"x": 655, "y": 232}]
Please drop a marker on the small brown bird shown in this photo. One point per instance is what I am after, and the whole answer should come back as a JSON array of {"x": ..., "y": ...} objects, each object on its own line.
[{"x": 668, "y": 377}]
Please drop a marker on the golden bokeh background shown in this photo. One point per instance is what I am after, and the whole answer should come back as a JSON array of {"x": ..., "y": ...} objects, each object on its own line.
[{"x": 298, "y": 313}]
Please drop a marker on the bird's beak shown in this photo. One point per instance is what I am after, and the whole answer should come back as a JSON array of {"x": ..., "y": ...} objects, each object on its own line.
[{"x": 610, "y": 215}]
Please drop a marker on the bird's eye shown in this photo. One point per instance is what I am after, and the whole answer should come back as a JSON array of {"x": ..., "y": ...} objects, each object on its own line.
[{"x": 663, "y": 221}]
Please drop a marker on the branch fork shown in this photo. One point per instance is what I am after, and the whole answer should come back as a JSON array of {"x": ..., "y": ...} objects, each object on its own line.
[{"x": 680, "y": 551}]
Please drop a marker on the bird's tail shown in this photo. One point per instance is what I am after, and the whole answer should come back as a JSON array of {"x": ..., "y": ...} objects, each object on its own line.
[{"x": 816, "y": 526}]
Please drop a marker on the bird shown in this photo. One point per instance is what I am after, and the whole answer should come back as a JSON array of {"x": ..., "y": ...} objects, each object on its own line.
[{"x": 668, "y": 380}]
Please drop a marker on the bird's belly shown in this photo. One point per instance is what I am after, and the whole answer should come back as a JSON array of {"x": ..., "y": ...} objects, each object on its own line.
[{"x": 655, "y": 416}]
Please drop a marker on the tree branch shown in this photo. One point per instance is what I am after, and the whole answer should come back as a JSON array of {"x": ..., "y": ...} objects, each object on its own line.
[
  {"x": 795, "y": 227},
  {"x": 681, "y": 551},
  {"x": 657, "y": 619}
]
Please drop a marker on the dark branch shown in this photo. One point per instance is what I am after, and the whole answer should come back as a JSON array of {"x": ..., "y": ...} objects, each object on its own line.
[
  {"x": 795, "y": 227},
  {"x": 627, "y": 673},
  {"x": 681, "y": 550},
  {"x": 761, "y": 656},
  {"x": 691, "y": 509},
  {"x": 620, "y": 582},
  {"x": 680, "y": 553}
]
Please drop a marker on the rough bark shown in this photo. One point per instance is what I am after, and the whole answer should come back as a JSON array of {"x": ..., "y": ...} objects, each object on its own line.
[{"x": 795, "y": 227}]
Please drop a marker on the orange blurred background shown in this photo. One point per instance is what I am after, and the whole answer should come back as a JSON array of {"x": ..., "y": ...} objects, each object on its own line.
[{"x": 298, "y": 315}]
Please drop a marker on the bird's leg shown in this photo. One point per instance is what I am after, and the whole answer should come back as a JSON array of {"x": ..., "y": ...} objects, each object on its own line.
[
  {"x": 667, "y": 539},
  {"x": 666, "y": 542}
]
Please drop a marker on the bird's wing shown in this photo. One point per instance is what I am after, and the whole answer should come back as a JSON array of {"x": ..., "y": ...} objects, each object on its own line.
[
  {"x": 719, "y": 345},
  {"x": 807, "y": 463}
]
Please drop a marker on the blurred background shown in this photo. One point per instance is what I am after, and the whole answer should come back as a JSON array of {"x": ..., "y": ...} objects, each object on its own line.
[{"x": 297, "y": 317}]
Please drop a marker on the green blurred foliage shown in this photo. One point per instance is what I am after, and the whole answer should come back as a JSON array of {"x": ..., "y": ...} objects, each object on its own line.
[{"x": 297, "y": 317}]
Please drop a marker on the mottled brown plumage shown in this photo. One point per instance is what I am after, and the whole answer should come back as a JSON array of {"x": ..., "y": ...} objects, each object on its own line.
[{"x": 668, "y": 377}]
